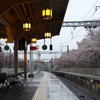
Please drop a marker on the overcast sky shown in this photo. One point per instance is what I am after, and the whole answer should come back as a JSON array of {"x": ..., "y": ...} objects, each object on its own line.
[{"x": 78, "y": 10}]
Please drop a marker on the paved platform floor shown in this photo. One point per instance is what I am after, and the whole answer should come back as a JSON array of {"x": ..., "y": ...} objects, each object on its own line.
[
  {"x": 44, "y": 86},
  {"x": 57, "y": 90},
  {"x": 26, "y": 93},
  {"x": 51, "y": 88}
]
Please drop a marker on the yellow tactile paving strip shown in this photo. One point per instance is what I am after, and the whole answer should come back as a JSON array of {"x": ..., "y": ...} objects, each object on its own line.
[
  {"x": 42, "y": 90},
  {"x": 51, "y": 88}
]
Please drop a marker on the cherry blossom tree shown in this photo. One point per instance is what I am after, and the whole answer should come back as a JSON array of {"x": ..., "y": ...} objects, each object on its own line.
[{"x": 87, "y": 54}]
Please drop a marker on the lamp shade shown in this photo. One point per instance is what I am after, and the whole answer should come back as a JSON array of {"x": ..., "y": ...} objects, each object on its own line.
[
  {"x": 27, "y": 26},
  {"x": 47, "y": 13},
  {"x": 5, "y": 40},
  {"x": 47, "y": 35},
  {"x": 34, "y": 40}
]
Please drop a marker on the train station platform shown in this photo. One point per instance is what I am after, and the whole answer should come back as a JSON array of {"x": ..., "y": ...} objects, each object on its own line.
[
  {"x": 51, "y": 88},
  {"x": 44, "y": 86}
]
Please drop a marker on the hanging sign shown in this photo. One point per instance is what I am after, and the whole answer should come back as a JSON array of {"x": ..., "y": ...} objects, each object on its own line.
[
  {"x": 44, "y": 47},
  {"x": 0, "y": 49},
  {"x": 51, "y": 47},
  {"x": 6, "y": 47},
  {"x": 33, "y": 48}
]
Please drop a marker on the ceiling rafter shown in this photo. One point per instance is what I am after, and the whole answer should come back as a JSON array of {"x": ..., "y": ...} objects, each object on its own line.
[
  {"x": 42, "y": 25},
  {"x": 33, "y": 20},
  {"x": 8, "y": 27},
  {"x": 16, "y": 8},
  {"x": 13, "y": 18},
  {"x": 12, "y": 14},
  {"x": 6, "y": 5}
]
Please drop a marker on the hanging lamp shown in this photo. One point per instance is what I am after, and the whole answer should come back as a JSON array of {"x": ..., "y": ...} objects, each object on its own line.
[
  {"x": 47, "y": 12},
  {"x": 27, "y": 25},
  {"x": 34, "y": 40},
  {"x": 5, "y": 40},
  {"x": 47, "y": 34}
]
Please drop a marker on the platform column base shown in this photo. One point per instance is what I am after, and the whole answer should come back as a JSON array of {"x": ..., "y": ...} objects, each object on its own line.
[{"x": 30, "y": 75}]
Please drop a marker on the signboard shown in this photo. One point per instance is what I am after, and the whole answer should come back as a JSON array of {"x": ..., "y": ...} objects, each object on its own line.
[
  {"x": 33, "y": 48},
  {"x": 0, "y": 49},
  {"x": 6, "y": 47},
  {"x": 44, "y": 47},
  {"x": 51, "y": 47}
]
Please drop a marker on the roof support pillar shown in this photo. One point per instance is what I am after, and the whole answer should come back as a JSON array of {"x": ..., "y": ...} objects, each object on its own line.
[
  {"x": 15, "y": 55},
  {"x": 25, "y": 64}
]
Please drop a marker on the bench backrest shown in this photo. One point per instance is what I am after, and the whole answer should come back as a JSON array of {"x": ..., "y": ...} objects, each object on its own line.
[{"x": 3, "y": 77}]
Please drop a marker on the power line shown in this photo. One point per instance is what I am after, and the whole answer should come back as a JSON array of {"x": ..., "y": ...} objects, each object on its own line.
[
  {"x": 90, "y": 9},
  {"x": 83, "y": 19},
  {"x": 87, "y": 14}
]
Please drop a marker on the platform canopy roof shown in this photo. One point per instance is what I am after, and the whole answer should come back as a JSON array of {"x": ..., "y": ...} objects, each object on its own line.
[{"x": 13, "y": 12}]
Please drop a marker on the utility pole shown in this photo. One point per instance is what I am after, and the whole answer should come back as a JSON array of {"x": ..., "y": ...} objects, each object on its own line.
[
  {"x": 51, "y": 64},
  {"x": 64, "y": 46},
  {"x": 67, "y": 48}
]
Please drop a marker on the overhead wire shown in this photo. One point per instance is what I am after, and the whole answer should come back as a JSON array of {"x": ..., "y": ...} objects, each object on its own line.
[
  {"x": 92, "y": 15},
  {"x": 90, "y": 9},
  {"x": 87, "y": 14},
  {"x": 71, "y": 35},
  {"x": 83, "y": 19}
]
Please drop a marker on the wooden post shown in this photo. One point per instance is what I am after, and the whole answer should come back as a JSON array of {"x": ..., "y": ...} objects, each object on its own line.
[
  {"x": 25, "y": 65},
  {"x": 15, "y": 55}
]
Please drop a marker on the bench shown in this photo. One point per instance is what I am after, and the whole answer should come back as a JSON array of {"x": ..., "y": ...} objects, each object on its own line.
[
  {"x": 3, "y": 77},
  {"x": 11, "y": 81},
  {"x": 14, "y": 81}
]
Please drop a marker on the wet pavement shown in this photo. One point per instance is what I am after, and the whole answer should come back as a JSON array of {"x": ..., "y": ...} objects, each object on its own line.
[
  {"x": 44, "y": 86},
  {"x": 51, "y": 88},
  {"x": 57, "y": 90},
  {"x": 25, "y": 93}
]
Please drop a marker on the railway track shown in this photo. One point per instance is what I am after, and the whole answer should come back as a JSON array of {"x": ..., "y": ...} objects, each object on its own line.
[{"x": 81, "y": 92}]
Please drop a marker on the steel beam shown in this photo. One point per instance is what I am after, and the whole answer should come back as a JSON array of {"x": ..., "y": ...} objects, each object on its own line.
[{"x": 85, "y": 24}]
